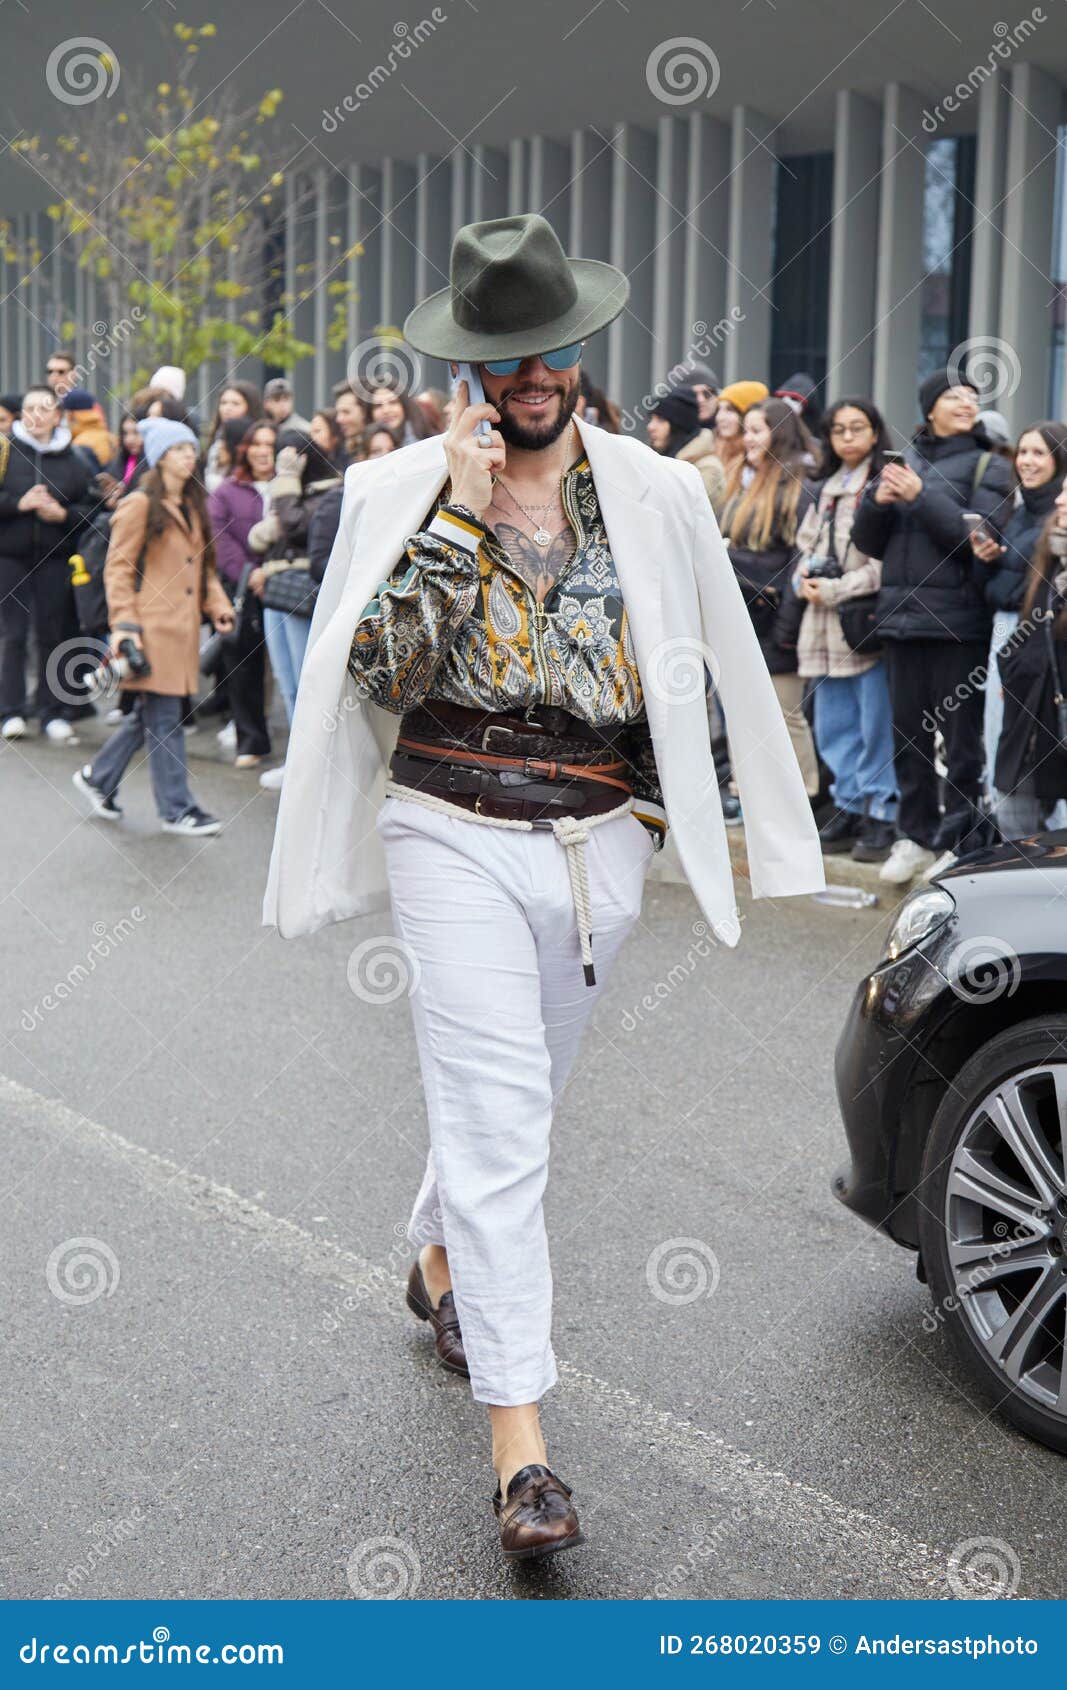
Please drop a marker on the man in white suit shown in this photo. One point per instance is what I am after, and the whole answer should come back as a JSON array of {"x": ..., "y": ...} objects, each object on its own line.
[{"x": 501, "y": 712}]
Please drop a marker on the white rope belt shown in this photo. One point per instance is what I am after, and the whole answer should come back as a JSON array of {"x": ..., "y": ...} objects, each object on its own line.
[{"x": 571, "y": 832}]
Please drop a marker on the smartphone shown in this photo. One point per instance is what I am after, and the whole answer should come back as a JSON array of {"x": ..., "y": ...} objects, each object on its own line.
[
  {"x": 894, "y": 457},
  {"x": 475, "y": 392},
  {"x": 973, "y": 521}
]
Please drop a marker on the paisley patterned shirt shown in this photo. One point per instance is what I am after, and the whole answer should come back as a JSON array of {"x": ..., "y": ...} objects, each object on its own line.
[{"x": 454, "y": 621}]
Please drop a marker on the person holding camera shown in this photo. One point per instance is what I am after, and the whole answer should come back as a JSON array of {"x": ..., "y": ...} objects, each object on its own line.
[
  {"x": 853, "y": 719},
  {"x": 160, "y": 580}
]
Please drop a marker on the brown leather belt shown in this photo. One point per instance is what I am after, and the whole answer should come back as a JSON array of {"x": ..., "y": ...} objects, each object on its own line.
[{"x": 451, "y": 751}]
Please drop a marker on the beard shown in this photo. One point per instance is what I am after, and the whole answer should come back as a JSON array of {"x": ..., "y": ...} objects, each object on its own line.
[{"x": 534, "y": 435}]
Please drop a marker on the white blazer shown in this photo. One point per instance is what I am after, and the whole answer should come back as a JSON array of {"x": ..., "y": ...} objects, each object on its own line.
[{"x": 685, "y": 610}]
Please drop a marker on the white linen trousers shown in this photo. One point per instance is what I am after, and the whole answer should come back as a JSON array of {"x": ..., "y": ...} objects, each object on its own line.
[{"x": 499, "y": 1006}]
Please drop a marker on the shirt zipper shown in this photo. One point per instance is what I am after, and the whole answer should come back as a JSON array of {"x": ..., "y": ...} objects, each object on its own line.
[{"x": 540, "y": 619}]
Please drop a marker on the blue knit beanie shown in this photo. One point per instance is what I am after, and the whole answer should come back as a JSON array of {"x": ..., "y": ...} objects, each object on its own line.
[{"x": 160, "y": 434}]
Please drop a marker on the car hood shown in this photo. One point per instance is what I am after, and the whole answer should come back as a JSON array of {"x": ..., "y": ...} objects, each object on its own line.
[{"x": 1041, "y": 850}]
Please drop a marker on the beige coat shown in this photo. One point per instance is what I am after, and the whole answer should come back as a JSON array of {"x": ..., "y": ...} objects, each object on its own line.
[
  {"x": 821, "y": 647},
  {"x": 700, "y": 452},
  {"x": 178, "y": 589}
]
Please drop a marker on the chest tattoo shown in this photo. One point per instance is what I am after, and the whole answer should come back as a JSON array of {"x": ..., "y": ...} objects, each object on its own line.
[{"x": 538, "y": 566}]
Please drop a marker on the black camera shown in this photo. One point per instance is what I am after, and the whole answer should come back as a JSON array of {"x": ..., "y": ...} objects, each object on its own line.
[
  {"x": 130, "y": 664},
  {"x": 823, "y": 569}
]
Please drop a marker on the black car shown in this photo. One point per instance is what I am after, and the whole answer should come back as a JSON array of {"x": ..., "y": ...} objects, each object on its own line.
[{"x": 952, "y": 1080}]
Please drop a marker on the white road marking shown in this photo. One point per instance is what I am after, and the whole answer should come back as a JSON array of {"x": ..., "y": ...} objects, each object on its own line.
[{"x": 872, "y": 1546}]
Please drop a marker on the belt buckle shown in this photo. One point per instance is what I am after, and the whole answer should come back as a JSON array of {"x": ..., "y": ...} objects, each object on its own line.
[{"x": 496, "y": 728}]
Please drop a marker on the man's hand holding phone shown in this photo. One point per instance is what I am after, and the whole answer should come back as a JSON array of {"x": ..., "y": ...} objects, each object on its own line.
[{"x": 472, "y": 462}]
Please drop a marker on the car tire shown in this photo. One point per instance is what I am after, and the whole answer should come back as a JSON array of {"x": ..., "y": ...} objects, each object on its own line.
[{"x": 993, "y": 1223}]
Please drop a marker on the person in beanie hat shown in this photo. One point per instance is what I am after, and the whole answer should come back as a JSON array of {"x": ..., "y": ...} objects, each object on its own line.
[
  {"x": 705, "y": 384},
  {"x": 278, "y": 406},
  {"x": 488, "y": 739},
  {"x": 160, "y": 580},
  {"x": 674, "y": 428},
  {"x": 171, "y": 378},
  {"x": 933, "y": 616},
  {"x": 735, "y": 400},
  {"x": 160, "y": 434}
]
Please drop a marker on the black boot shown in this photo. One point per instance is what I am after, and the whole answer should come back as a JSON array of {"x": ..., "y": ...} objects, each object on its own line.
[
  {"x": 875, "y": 841},
  {"x": 839, "y": 834}
]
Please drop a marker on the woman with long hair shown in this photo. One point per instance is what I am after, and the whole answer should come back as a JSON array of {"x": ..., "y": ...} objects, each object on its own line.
[
  {"x": 1031, "y": 764},
  {"x": 238, "y": 400},
  {"x": 767, "y": 497},
  {"x": 326, "y": 432},
  {"x": 399, "y": 411},
  {"x": 235, "y": 506},
  {"x": 160, "y": 580},
  {"x": 853, "y": 718},
  {"x": 1040, "y": 464},
  {"x": 303, "y": 477},
  {"x": 728, "y": 424}
]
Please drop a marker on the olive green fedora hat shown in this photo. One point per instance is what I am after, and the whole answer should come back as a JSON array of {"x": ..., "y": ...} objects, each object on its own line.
[{"x": 513, "y": 293}]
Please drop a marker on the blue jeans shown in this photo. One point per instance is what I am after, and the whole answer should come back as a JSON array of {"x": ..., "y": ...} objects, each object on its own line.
[
  {"x": 287, "y": 640},
  {"x": 854, "y": 734},
  {"x": 157, "y": 719},
  {"x": 1004, "y": 624}
]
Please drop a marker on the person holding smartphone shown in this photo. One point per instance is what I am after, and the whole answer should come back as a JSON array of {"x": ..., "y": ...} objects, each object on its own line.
[
  {"x": 514, "y": 630},
  {"x": 934, "y": 617},
  {"x": 1010, "y": 560}
]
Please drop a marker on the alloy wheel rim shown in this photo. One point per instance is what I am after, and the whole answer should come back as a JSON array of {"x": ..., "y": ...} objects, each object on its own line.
[{"x": 1006, "y": 1231}]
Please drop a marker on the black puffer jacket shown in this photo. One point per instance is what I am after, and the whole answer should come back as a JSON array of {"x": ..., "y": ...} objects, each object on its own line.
[
  {"x": 933, "y": 586},
  {"x": 24, "y": 537},
  {"x": 1006, "y": 579}
]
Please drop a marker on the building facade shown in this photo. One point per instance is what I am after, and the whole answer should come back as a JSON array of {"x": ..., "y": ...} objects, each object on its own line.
[{"x": 900, "y": 225}]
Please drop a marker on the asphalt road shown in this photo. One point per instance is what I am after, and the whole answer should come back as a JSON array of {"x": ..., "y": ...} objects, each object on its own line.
[{"x": 221, "y": 1393}]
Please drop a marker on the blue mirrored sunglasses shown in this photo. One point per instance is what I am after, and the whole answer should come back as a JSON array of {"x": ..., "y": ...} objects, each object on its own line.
[{"x": 562, "y": 359}]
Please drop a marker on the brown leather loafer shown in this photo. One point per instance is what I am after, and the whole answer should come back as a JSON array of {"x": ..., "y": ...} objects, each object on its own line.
[
  {"x": 448, "y": 1339},
  {"x": 538, "y": 1517}
]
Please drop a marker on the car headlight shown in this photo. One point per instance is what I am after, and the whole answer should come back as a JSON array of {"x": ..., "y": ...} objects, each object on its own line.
[{"x": 920, "y": 915}]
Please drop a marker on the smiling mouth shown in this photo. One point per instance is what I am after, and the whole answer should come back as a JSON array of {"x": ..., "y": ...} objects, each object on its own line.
[{"x": 532, "y": 400}]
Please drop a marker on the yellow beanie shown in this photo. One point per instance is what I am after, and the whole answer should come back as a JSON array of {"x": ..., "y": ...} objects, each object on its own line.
[{"x": 742, "y": 395}]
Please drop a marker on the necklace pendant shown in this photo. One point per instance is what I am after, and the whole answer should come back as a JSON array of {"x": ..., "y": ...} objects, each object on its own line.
[{"x": 542, "y": 537}]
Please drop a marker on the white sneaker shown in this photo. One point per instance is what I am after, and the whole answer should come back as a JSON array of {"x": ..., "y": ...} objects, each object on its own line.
[
  {"x": 905, "y": 861},
  {"x": 114, "y": 717},
  {"x": 272, "y": 778},
  {"x": 227, "y": 737},
  {"x": 14, "y": 728},
  {"x": 105, "y": 808},
  {"x": 60, "y": 732},
  {"x": 194, "y": 822}
]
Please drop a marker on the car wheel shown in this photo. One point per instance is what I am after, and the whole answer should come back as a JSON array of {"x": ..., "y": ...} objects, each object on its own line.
[{"x": 993, "y": 1223}]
